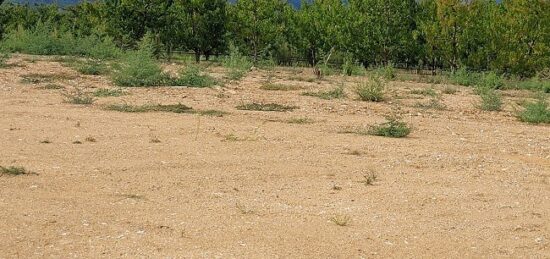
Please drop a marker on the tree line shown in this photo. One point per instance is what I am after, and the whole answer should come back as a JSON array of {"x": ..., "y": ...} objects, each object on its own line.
[{"x": 511, "y": 37}]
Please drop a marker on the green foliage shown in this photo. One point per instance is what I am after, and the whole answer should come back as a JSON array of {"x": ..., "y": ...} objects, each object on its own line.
[
  {"x": 4, "y": 57},
  {"x": 237, "y": 64},
  {"x": 490, "y": 81},
  {"x": 279, "y": 87},
  {"x": 387, "y": 72},
  {"x": 336, "y": 93},
  {"x": 351, "y": 68},
  {"x": 463, "y": 77},
  {"x": 192, "y": 76},
  {"x": 372, "y": 90},
  {"x": 139, "y": 68},
  {"x": 44, "y": 40},
  {"x": 393, "y": 128},
  {"x": 536, "y": 112}
]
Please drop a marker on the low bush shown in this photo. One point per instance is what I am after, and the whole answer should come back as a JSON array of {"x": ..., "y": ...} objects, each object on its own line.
[
  {"x": 387, "y": 72},
  {"x": 193, "y": 77},
  {"x": 393, "y": 128},
  {"x": 464, "y": 77},
  {"x": 536, "y": 112},
  {"x": 371, "y": 91},
  {"x": 491, "y": 99},
  {"x": 237, "y": 64},
  {"x": 139, "y": 68}
]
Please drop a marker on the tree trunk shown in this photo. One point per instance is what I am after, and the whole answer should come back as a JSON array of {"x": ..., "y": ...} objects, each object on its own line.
[{"x": 197, "y": 56}]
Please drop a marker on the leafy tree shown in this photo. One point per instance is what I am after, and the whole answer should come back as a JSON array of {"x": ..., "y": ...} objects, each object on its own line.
[{"x": 258, "y": 25}]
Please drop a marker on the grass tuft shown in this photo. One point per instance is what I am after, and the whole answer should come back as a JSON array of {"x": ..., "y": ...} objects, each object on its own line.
[
  {"x": 79, "y": 98},
  {"x": 266, "y": 107},
  {"x": 303, "y": 120},
  {"x": 336, "y": 93},
  {"x": 393, "y": 128},
  {"x": 14, "y": 171},
  {"x": 371, "y": 91},
  {"x": 279, "y": 87},
  {"x": 192, "y": 76},
  {"x": 174, "y": 108},
  {"x": 341, "y": 220},
  {"x": 103, "y": 92}
]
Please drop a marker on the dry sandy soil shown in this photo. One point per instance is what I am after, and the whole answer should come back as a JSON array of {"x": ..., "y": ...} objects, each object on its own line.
[{"x": 465, "y": 183}]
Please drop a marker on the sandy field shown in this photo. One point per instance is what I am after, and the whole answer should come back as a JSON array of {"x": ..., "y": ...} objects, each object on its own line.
[{"x": 253, "y": 184}]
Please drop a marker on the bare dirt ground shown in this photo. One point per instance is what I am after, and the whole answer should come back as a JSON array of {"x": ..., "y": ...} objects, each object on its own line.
[{"x": 465, "y": 183}]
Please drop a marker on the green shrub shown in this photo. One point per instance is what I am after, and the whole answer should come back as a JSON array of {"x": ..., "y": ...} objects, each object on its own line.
[
  {"x": 351, "y": 68},
  {"x": 393, "y": 128},
  {"x": 490, "y": 80},
  {"x": 491, "y": 100},
  {"x": 192, "y": 76},
  {"x": 536, "y": 112},
  {"x": 237, "y": 64},
  {"x": 371, "y": 91},
  {"x": 140, "y": 68},
  {"x": 387, "y": 72},
  {"x": 43, "y": 39},
  {"x": 463, "y": 77}
]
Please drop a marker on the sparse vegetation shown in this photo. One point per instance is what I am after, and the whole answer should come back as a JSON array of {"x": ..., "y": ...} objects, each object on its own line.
[
  {"x": 237, "y": 64},
  {"x": 279, "y": 87},
  {"x": 4, "y": 57},
  {"x": 92, "y": 67},
  {"x": 449, "y": 89},
  {"x": 53, "y": 87},
  {"x": 393, "y": 128},
  {"x": 90, "y": 139},
  {"x": 463, "y": 77},
  {"x": 14, "y": 171},
  {"x": 491, "y": 100},
  {"x": 104, "y": 92},
  {"x": 433, "y": 103},
  {"x": 426, "y": 91},
  {"x": 386, "y": 72},
  {"x": 302, "y": 120},
  {"x": 35, "y": 78},
  {"x": 79, "y": 98},
  {"x": 371, "y": 91},
  {"x": 174, "y": 108},
  {"x": 336, "y": 93},
  {"x": 266, "y": 107},
  {"x": 341, "y": 220},
  {"x": 192, "y": 76},
  {"x": 369, "y": 179},
  {"x": 536, "y": 112}
]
